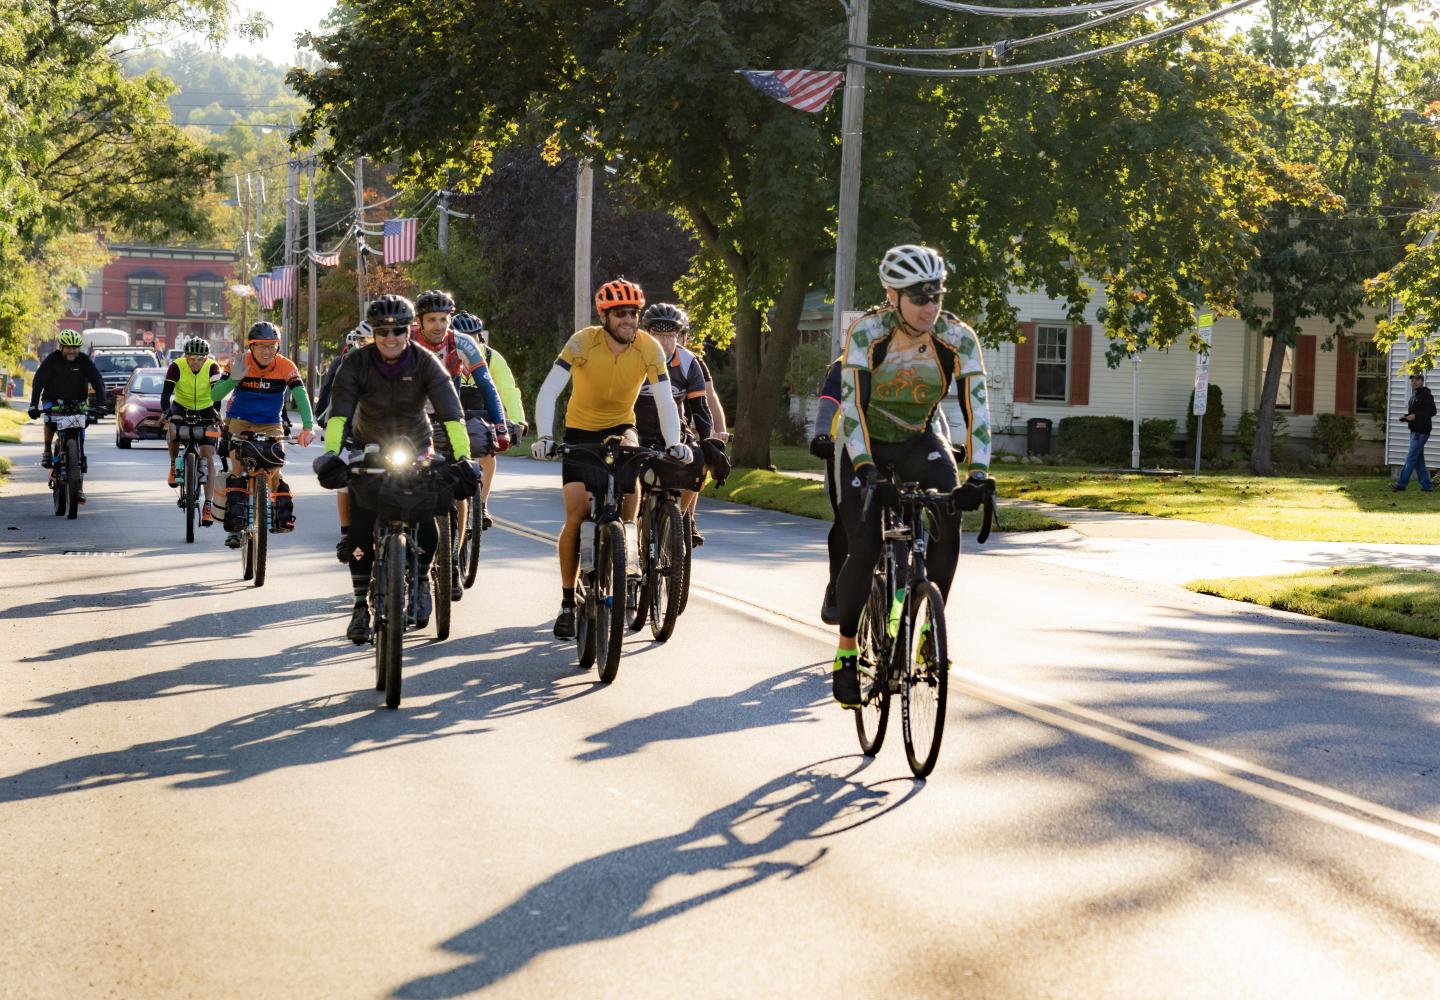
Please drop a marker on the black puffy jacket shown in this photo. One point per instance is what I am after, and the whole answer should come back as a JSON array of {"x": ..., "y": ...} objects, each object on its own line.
[{"x": 381, "y": 408}]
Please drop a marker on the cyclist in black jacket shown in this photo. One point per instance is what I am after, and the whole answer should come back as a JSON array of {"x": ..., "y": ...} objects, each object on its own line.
[{"x": 66, "y": 376}]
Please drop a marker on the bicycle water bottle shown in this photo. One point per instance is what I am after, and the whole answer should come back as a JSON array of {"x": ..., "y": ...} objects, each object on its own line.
[
  {"x": 897, "y": 605},
  {"x": 587, "y": 546}
]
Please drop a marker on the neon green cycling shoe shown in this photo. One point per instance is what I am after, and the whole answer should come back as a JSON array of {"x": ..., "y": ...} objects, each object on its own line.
[{"x": 845, "y": 678}]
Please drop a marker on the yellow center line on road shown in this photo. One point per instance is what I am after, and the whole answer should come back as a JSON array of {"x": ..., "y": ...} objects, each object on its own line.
[{"x": 1299, "y": 795}]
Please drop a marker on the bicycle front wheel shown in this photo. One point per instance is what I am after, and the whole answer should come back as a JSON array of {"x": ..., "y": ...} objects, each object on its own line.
[
  {"x": 392, "y": 632},
  {"x": 440, "y": 574},
  {"x": 873, "y": 664},
  {"x": 73, "y": 474},
  {"x": 666, "y": 577},
  {"x": 687, "y": 527},
  {"x": 59, "y": 484},
  {"x": 260, "y": 536},
  {"x": 190, "y": 489},
  {"x": 609, "y": 600},
  {"x": 924, "y": 680}
]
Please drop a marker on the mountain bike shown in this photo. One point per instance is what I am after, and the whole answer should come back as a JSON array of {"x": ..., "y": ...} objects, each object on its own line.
[
  {"x": 901, "y": 636},
  {"x": 67, "y": 455},
  {"x": 663, "y": 562},
  {"x": 600, "y": 593},
  {"x": 404, "y": 491},
  {"x": 259, "y": 455},
  {"x": 193, "y": 432}
]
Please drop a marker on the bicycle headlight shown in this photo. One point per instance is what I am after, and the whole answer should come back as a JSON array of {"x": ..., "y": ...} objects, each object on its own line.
[{"x": 399, "y": 456}]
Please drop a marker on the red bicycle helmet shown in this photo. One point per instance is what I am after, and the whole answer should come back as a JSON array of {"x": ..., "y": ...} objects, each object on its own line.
[{"x": 618, "y": 293}]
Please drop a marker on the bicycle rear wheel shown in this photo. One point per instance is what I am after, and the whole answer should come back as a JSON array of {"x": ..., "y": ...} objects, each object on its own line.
[
  {"x": 260, "y": 500},
  {"x": 644, "y": 525},
  {"x": 924, "y": 680},
  {"x": 687, "y": 526},
  {"x": 440, "y": 574},
  {"x": 609, "y": 600},
  {"x": 394, "y": 629},
  {"x": 189, "y": 489},
  {"x": 59, "y": 484},
  {"x": 584, "y": 622},
  {"x": 73, "y": 475},
  {"x": 666, "y": 577},
  {"x": 470, "y": 542},
  {"x": 873, "y": 715}
]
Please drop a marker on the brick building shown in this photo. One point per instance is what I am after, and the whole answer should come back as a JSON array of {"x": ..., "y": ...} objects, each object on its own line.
[{"x": 159, "y": 295}]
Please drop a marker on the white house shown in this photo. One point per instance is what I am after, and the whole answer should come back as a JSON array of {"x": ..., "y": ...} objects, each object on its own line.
[{"x": 1397, "y": 434}]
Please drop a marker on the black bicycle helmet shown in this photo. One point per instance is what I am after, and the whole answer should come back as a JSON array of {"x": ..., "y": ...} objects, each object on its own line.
[
  {"x": 664, "y": 313},
  {"x": 433, "y": 300},
  {"x": 197, "y": 347},
  {"x": 390, "y": 310},
  {"x": 263, "y": 331},
  {"x": 468, "y": 324}
]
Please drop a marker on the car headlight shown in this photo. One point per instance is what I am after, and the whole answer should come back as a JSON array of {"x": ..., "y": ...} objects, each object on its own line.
[
  {"x": 134, "y": 410},
  {"x": 399, "y": 456}
]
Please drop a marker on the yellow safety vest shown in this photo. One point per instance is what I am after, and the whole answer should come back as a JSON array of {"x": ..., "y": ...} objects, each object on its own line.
[{"x": 192, "y": 389}]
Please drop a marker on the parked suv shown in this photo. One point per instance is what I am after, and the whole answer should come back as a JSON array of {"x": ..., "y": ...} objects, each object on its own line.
[{"x": 116, "y": 365}]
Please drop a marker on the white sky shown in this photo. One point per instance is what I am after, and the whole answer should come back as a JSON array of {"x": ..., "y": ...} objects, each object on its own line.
[{"x": 288, "y": 18}]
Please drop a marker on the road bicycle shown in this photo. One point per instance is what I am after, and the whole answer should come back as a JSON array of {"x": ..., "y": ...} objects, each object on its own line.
[
  {"x": 901, "y": 637},
  {"x": 259, "y": 456},
  {"x": 403, "y": 490},
  {"x": 67, "y": 455},
  {"x": 193, "y": 432},
  {"x": 600, "y": 592},
  {"x": 664, "y": 565}
]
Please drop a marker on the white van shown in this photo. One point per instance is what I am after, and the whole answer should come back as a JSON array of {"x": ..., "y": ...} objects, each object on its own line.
[{"x": 102, "y": 336}]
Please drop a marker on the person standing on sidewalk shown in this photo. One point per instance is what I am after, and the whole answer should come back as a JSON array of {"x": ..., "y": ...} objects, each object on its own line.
[{"x": 1418, "y": 416}]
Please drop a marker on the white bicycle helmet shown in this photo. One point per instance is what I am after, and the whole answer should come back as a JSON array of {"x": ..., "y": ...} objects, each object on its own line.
[{"x": 908, "y": 265}]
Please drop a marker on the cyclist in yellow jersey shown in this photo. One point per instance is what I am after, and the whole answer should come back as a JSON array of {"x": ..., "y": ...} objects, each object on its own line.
[
  {"x": 186, "y": 391},
  {"x": 605, "y": 365}
]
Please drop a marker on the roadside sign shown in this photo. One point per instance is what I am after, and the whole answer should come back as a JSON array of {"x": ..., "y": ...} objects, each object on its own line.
[{"x": 1205, "y": 324}]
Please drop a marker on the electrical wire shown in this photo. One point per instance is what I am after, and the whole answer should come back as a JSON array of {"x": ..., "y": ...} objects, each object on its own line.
[
  {"x": 1010, "y": 70},
  {"x": 1018, "y": 42},
  {"x": 970, "y": 8}
]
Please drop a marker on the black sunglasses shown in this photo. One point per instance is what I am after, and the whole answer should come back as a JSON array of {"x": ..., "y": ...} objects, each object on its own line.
[
  {"x": 392, "y": 331},
  {"x": 924, "y": 300},
  {"x": 624, "y": 313}
]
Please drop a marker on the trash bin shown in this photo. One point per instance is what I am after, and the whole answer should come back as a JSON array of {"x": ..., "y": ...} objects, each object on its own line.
[{"x": 1037, "y": 436}]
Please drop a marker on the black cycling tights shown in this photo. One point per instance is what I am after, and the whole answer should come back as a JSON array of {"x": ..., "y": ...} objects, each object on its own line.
[
  {"x": 925, "y": 460},
  {"x": 362, "y": 536}
]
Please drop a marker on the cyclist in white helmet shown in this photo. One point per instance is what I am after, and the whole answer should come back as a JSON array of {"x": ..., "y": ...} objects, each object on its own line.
[{"x": 900, "y": 361}]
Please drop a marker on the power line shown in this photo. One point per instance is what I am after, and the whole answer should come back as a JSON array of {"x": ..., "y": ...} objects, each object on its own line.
[
  {"x": 1019, "y": 42},
  {"x": 950, "y": 74},
  {"x": 970, "y": 8}
]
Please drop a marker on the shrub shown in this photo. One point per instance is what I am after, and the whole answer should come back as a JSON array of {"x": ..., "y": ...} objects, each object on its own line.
[
  {"x": 1102, "y": 440},
  {"x": 1157, "y": 439},
  {"x": 1335, "y": 436},
  {"x": 1245, "y": 432},
  {"x": 1214, "y": 424}
]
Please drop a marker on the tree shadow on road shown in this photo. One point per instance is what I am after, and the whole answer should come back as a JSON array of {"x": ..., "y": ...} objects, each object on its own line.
[{"x": 607, "y": 896}]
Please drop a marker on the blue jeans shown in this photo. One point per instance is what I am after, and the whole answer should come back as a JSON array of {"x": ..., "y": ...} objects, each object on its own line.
[{"x": 1415, "y": 463}]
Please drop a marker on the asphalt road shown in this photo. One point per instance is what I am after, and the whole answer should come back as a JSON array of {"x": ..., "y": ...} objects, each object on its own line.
[{"x": 1142, "y": 792}]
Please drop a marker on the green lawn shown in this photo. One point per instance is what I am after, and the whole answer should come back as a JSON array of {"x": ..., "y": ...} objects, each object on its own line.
[
  {"x": 1307, "y": 508},
  {"x": 806, "y": 497},
  {"x": 11, "y": 420},
  {"x": 1395, "y": 600}
]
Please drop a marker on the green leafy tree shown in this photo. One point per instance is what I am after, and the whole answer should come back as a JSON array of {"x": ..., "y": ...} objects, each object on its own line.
[{"x": 1144, "y": 169}]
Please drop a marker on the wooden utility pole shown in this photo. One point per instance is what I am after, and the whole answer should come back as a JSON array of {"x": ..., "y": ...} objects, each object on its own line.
[
  {"x": 584, "y": 211},
  {"x": 852, "y": 127},
  {"x": 314, "y": 340},
  {"x": 360, "y": 236},
  {"x": 290, "y": 314},
  {"x": 244, "y": 260},
  {"x": 444, "y": 233}
]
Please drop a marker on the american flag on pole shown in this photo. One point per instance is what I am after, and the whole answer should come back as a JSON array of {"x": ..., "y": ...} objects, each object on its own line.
[
  {"x": 283, "y": 282},
  {"x": 326, "y": 259},
  {"x": 804, "y": 89},
  {"x": 264, "y": 289},
  {"x": 399, "y": 236}
]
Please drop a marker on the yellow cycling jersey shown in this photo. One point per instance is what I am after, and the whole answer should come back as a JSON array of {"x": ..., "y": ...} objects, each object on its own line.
[
  {"x": 603, "y": 385},
  {"x": 192, "y": 389}
]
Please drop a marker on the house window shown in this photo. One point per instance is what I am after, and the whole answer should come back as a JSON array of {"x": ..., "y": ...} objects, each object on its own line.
[
  {"x": 1285, "y": 395},
  {"x": 1052, "y": 363},
  {"x": 146, "y": 295},
  {"x": 1370, "y": 377},
  {"x": 204, "y": 298}
]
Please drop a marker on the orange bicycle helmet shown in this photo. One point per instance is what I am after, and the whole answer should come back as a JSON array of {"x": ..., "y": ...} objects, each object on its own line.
[{"x": 619, "y": 293}]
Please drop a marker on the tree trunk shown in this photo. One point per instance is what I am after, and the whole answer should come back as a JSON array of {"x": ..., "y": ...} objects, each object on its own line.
[
  {"x": 1260, "y": 459},
  {"x": 759, "y": 388}
]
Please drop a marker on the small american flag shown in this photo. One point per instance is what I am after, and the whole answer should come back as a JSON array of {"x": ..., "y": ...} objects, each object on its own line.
[
  {"x": 326, "y": 259},
  {"x": 264, "y": 289},
  {"x": 805, "y": 89},
  {"x": 399, "y": 235},
  {"x": 283, "y": 282}
]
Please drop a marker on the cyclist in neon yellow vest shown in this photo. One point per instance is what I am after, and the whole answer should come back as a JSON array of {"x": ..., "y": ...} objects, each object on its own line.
[{"x": 187, "y": 391}]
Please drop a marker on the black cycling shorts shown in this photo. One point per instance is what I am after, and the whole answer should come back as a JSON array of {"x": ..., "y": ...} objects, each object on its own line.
[{"x": 581, "y": 470}]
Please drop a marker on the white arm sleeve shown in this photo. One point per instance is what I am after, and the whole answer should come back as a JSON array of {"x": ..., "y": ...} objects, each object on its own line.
[
  {"x": 550, "y": 391},
  {"x": 669, "y": 415}
]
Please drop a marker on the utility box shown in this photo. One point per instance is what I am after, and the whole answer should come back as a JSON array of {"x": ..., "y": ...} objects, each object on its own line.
[{"x": 1037, "y": 435}]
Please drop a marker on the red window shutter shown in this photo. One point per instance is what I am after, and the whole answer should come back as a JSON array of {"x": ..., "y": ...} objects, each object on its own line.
[
  {"x": 1080, "y": 365},
  {"x": 1344, "y": 377},
  {"x": 1025, "y": 365},
  {"x": 1304, "y": 395}
]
